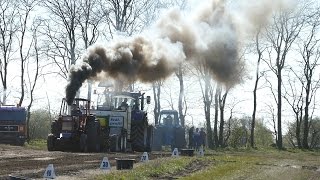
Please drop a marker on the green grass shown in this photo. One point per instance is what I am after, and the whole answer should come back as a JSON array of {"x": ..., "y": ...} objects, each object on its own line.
[
  {"x": 224, "y": 166},
  {"x": 228, "y": 164},
  {"x": 152, "y": 169},
  {"x": 38, "y": 144}
]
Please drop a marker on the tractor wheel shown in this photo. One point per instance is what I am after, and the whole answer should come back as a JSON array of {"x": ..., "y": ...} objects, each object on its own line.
[
  {"x": 179, "y": 137},
  {"x": 157, "y": 139},
  {"x": 105, "y": 139},
  {"x": 55, "y": 128},
  {"x": 98, "y": 136},
  {"x": 113, "y": 143},
  {"x": 92, "y": 134},
  {"x": 149, "y": 138},
  {"x": 51, "y": 142},
  {"x": 137, "y": 137},
  {"x": 83, "y": 143}
]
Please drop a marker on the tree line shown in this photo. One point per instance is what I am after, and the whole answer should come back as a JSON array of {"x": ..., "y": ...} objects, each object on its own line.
[{"x": 39, "y": 38}]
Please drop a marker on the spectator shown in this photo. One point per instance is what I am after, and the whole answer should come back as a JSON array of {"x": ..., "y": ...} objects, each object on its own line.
[
  {"x": 197, "y": 139},
  {"x": 202, "y": 138},
  {"x": 191, "y": 137},
  {"x": 168, "y": 120},
  {"x": 124, "y": 105},
  {"x": 75, "y": 110}
]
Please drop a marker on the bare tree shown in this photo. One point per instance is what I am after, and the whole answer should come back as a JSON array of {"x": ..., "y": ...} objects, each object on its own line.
[
  {"x": 90, "y": 19},
  {"x": 222, "y": 102},
  {"x": 8, "y": 29},
  {"x": 33, "y": 79},
  {"x": 206, "y": 85},
  {"x": 25, "y": 9},
  {"x": 281, "y": 35},
  {"x": 309, "y": 50},
  {"x": 156, "y": 86},
  {"x": 182, "y": 106},
  {"x": 258, "y": 75},
  {"x": 294, "y": 98},
  {"x": 124, "y": 15},
  {"x": 271, "y": 111},
  {"x": 61, "y": 33},
  {"x": 216, "y": 116}
]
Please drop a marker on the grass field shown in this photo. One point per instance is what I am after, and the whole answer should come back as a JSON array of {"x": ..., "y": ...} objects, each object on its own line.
[
  {"x": 239, "y": 164},
  {"x": 38, "y": 144}
]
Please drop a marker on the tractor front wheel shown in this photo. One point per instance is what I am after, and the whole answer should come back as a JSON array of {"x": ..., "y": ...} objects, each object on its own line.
[
  {"x": 83, "y": 143},
  {"x": 51, "y": 142}
]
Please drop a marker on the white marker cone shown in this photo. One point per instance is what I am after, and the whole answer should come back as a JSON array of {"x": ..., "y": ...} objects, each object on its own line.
[
  {"x": 105, "y": 164},
  {"x": 49, "y": 173},
  {"x": 144, "y": 157},
  {"x": 201, "y": 152},
  {"x": 175, "y": 152}
]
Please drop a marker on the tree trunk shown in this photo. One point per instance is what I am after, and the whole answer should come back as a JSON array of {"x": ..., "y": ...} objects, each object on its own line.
[
  {"x": 4, "y": 98},
  {"x": 279, "y": 108},
  {"x": 305, "y": 143},
  {"x": 254, "y": 113},
  {"x": 221, "y": 127},
  {"x": 216, "y": 115},
  {"x": 207, "y": 106},
  {"x": 255, "y": 91},
  {"x": 156, "y": 95},
  {"x": 298, "y": 130},
  {"x": 181, "y": 94}
]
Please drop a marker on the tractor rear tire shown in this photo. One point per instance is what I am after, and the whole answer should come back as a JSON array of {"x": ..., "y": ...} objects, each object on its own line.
[
  {"x": 157, "y": 139},
  {"x": 93, "y": 140},
  {"x": 83, "y": 143},
  {"x": 149, "y": 138},
  {"x": 137, "y": 137},
  {"x": 51, "y": 142},
  {"x": 179, "y": 138}
]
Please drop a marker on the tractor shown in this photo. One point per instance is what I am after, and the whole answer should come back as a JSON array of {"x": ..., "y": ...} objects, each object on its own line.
[
  {"x": 168, "y": 131},
  {"x": 123, "y": 121},
  {"x": 75, "y": 129}
]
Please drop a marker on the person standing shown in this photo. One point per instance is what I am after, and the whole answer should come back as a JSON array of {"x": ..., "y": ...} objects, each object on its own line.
[
  {"x": 197, "y": 139},
  {"x": 191, "y": 138},
  {"x": 202, "y": 138}
]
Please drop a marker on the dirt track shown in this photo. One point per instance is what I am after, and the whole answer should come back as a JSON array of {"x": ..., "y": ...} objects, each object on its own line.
[{"x": 20, "y": 161}]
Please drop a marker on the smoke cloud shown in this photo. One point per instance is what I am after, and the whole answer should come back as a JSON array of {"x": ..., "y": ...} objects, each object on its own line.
[{"x": 209, "y": 36}]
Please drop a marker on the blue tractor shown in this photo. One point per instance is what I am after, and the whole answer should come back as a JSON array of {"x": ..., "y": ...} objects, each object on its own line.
[
  {"x": 168, "y": 131},
  {"x": 13, "y": 127}
]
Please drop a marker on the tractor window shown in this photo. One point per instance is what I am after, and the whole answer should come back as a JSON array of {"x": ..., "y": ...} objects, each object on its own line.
[
  {"x": 123, "y": 102},
  {"x": 166, "y": 119},
  {"x": 67, "y": 126},
  {"x": 104, "y": 102}
]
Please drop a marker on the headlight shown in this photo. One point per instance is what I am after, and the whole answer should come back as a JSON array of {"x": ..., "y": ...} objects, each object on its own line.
[{"x": 21, "y": 128}]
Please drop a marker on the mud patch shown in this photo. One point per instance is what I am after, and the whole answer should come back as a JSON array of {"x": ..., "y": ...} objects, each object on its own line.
[{"x": 191, "y": 168}]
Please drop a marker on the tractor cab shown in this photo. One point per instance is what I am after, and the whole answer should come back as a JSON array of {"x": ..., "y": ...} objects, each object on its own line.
[
  {"x": 72, "y": 118},
  {"x": 123, "y": 120},
  {"x": 169, "y": 118},
  {"x": 168, "y": 131}
]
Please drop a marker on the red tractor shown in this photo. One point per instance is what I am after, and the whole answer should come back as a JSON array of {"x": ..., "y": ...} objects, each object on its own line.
[{"x": 75, "y": 129}]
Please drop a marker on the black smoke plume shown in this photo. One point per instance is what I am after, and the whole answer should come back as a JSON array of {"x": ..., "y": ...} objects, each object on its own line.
[{"x": 210, "y": 38}]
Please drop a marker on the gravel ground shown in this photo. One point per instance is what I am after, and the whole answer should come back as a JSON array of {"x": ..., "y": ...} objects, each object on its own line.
[{"x": 21, "y": 161}]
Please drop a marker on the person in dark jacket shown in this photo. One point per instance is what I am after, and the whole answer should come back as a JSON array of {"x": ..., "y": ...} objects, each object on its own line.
[
  {"x": 197, "y": 139},
  {"x": 202, "y": 138},
  {"x": 191, "y": 140}
]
